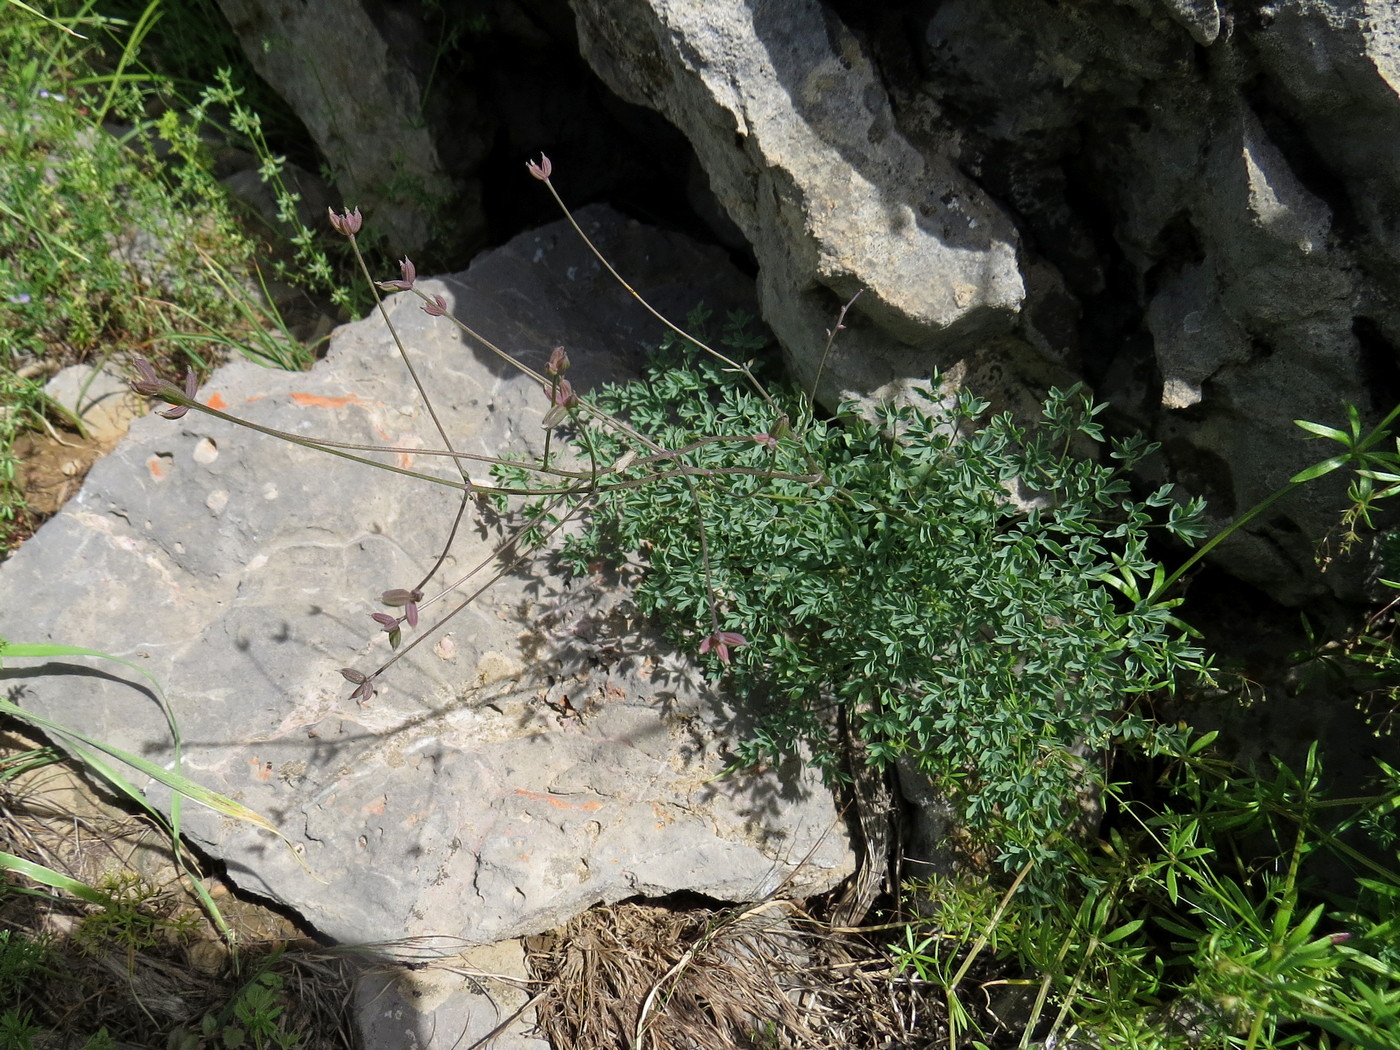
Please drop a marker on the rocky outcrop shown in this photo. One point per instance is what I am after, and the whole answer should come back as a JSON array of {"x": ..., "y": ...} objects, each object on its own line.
[
  {"x": 1182, "y": 202},
  {"x": 789, "y": 117},
  {"x": 1185, "y": 204},
  {"x": 358, "y": 85}
]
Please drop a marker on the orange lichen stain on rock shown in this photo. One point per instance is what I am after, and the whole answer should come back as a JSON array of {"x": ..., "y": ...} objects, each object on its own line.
[
  {"x": 159, "y": 466},
  {"x": 559, "y": 803},
  {"x": 317, "y": 401},
  {"x": 261, "y": 771},
  {"x": 405, "y": 459},
  {"x": 217, "y": 402},
  {"x": 377, "y": 807}
]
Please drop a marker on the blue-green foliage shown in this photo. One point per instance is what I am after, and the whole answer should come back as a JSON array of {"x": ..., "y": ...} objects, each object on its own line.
[{"x": 973, "y": 634}]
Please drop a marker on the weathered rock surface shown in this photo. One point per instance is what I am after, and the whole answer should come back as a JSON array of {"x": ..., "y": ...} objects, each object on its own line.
[
  {"x": 357, "y": 84},
  {"x": 1186, "y": 206},
  {"x": 464, "y": 801},
  {"x": 102, "y": 401},
  {"x": 788, "y": 115}
]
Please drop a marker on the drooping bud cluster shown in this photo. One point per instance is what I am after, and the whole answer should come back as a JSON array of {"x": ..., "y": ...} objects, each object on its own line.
[
  {"x": 347, "y": 222},
  {"x": 561, "y": 399},
  {"x": 152, "y": 385},
  {"x": 410, "y": 274},
  {"x": 721, "y": 642},
  {"x": 364, "y": 685},
  {"x": 408, "y": 600}
]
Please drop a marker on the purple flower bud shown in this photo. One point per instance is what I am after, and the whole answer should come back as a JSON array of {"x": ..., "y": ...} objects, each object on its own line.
[
  {"x": 390, "y": 626},
  {"x": 410, "y": 274},
  {"x": 721, "y": 642},
  {"x": 152, "y": 385},
  {"x": 766, "y": 440},
  {"x": 191, "y": 388},
  {"x": 408, "y": 600},
  {"x": 558, "y": 362},
  {"x": 364, "y": 685},
  {"x": 542, "y": 170},
  {"x": 348, "y": 222},
  {"x": 562, "y": 398},
  {"x": 563, "y": 394},
  {"x": 436, "y": 307}
]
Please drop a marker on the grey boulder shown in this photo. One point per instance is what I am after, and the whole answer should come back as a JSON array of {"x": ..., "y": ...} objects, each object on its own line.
[{"x": 468, "y": 798}]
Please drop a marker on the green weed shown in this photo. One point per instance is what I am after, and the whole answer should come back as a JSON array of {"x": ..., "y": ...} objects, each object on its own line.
[
  {"x": 20, "y": 960},
  {"x": 133, "y": 918},
  {"x": 254, "y": 1019},
  {"x": 1198, "y": 921}
]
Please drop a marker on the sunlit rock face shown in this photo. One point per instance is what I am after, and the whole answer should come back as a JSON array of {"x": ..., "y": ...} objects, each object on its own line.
[{"x": 1191, "y": 211}]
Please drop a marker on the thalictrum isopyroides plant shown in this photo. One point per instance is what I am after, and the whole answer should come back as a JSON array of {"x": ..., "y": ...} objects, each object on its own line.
[
  {"x": 878, "y": 562},
  {"x": 569, "y": 487},
  {"x": 875, "y": 563}
]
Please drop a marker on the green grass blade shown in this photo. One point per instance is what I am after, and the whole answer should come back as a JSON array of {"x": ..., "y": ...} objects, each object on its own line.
[
  {"x": 1319, "y": 430},
  {"x": 183, "y": 785},
  {"x": 39, "y": 14},
  {"x": 53, "y": 879},
  {"x": 44, "y": 650},
  {"x": 1317, "y": 470}
]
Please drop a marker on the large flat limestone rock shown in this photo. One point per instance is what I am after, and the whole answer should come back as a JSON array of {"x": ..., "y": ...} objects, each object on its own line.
[{"x": 467, "y": 799}]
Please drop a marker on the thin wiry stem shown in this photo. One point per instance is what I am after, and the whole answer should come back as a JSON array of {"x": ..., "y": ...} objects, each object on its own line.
[
  {"x": 497, "y": 575},
  {"x": 742, "y": 369},
  {"x": 830, "y": 342},
  {"x": 451, "y": 536},
  {"x": 545, "y": 382},
  {"x": 403, "y": 353}
]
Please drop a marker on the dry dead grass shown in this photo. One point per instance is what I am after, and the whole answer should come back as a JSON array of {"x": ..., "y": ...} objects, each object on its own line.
[
  {"x": 626, "y": 977},
  {"x": 151, "y": 968},
  {"x": 766, "y": 977}
]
